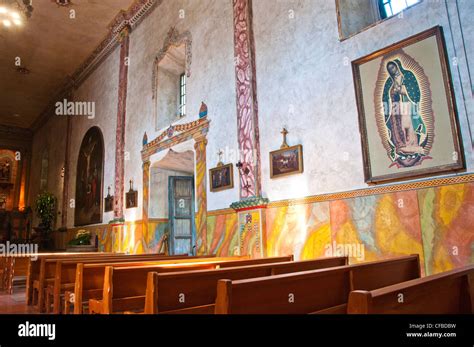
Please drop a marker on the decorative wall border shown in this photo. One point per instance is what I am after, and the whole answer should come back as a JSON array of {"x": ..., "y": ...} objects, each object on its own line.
[
  {"x": 224, "y": 211},
  {"x": 459, "y": 179}
]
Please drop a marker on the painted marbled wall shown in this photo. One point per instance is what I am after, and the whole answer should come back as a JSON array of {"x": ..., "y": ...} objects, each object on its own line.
[
  {"x": 131, "y": 238},
  {"x": 435, "y": 223},
  {"x": 222, "y": 235},
  {"x": 386, "y": 225},
  {"x": 301, "y": 230},
  {"x": 447, "y": 221}
]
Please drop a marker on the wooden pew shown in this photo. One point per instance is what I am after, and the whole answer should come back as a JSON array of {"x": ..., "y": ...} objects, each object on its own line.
[
  {"x": 49, "y": 270},
  {"x": 3, "y": 272},
  {"x": 65, "y": 273},
  {"x": 89, "y": 280},
  {"x": 319, "y": 291},
  {"x": 34, "y": 267},
  {"x": 450, "y": 292},
  {"x": 124, "y": 288},
  {"x": 194, "y": 292},
  {"x": 16, "y": 270}
]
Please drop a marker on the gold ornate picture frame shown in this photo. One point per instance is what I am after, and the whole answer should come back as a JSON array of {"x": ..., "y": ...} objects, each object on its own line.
[{"x": 286, "y": 161}]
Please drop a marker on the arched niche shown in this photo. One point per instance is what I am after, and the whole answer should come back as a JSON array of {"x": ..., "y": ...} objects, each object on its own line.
[
  {"x": 89, "y": 179},
  {"x": 171, "y": 63}
]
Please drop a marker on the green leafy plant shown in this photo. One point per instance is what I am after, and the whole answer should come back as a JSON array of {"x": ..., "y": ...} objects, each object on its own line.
[
  {"x": 83, "y": 237},
  {"x": 45, "y": 210}
]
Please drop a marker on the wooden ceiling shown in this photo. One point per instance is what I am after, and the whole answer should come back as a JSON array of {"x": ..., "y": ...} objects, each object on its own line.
[{"x": 51, "y": 45}]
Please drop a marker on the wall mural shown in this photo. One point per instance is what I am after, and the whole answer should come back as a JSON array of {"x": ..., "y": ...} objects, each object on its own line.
[
  {"x": 407, "y": 112},
  {"x": 89, "y": 180},
  {"x": 434, "y": 223}
]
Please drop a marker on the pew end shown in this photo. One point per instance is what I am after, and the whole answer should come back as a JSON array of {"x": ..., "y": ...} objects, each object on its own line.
[
  {"x": 359, "y": 302},
  {"x": 224, "y": 297}
]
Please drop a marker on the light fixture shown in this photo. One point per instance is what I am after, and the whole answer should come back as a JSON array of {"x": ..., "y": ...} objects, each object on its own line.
[{"x": 14, "y": 12}]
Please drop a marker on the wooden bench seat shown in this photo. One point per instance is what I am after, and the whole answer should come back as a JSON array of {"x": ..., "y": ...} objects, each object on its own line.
[
  {"x": 34, "y": 267},
  {"x": 450, "y": 292},
  {"x": 319, "y": 291},
  {"x": 121, "y": 284},
  {"x": 65, "y": 274},
  {"x": 16, "y": 269},
  {"x": 194, "y": 292},
  {"x": 89, "y": 281},
  {"x": 48, "y": 270}
]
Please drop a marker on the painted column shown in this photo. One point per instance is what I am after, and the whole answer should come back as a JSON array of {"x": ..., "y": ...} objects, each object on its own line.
[
  {"x": 201, "y": 195},
  {"x": 247, "y": 106},
  {"x": 146, "y": 197},
  {"x": 66, "y": 175},
  {"x": 19, "y": 174},
  {"x": 121, "y": 113}
]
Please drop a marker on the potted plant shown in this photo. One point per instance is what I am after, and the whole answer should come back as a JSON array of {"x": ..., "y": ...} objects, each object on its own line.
[
  {"x": 45, "y": 210},
  {"x": 81, "y": 242},
  {"x": 83, "y": 237}
]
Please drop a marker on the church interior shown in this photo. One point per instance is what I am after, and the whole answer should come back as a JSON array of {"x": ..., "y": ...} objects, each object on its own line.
[{"x": 236, "y": 157}]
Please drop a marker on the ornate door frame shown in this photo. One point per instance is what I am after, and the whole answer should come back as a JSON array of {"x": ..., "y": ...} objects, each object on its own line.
[{"x": 174, "y": 135}]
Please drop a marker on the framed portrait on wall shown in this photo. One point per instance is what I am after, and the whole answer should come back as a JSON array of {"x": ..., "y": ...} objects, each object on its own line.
[
  {"x": 407, "y": 112},
  {"x": 286, "y": 161},
  {"x": 109, "y": 203},
  {"x": 221, "y": 177},
  {"x": 131, "y": 199}
]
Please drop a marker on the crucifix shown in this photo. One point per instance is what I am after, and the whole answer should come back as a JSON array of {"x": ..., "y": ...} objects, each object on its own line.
[
  {"x": 220, "y": 153},
  {"x": 284, "y": 132},
  {"x": 131, "y": 185}
]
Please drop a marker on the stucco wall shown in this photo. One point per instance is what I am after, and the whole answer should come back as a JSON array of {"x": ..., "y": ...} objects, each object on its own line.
[
  {"x": 212, "y": 80},
  {"x": 305, "y": 83}
]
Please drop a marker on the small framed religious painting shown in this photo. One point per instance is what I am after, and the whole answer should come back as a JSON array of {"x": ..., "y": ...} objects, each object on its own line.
[
  {"x": 286, "y": 161},
  {"x": 221, "y": 177},
  {"x": 407, "y": 111}
]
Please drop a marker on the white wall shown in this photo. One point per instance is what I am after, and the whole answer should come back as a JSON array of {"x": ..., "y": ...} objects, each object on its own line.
[
  {"x": 303, "y": 84},
  {"x": 212, "y": 81},
  {"x": 301, "y": 68}
]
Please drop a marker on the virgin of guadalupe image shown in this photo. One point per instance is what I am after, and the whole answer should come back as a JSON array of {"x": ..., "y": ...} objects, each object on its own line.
[{"x": 408, "y": 137}]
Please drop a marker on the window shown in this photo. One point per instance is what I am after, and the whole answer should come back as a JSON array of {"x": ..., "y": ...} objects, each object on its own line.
[
  {"x": 182, "y": 95},
  {"x": 390, "y": 8}
]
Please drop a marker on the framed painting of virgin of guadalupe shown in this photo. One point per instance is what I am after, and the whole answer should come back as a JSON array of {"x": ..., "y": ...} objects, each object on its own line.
[{"x": 407, "y": 112}]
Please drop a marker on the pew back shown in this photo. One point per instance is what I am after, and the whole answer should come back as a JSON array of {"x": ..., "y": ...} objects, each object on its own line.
[
  {"x": 173, "y": 292},
  {"x": 89, "y": 279},
  {"x": 118, "y": 288},
  {"x": 450, "y": 292},
  {"x": 319, "y": 291}
]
